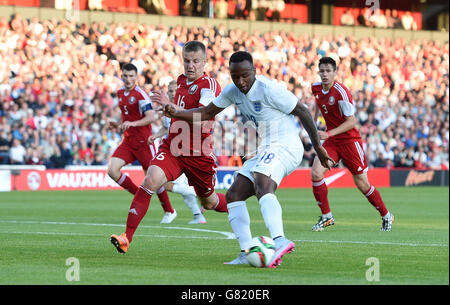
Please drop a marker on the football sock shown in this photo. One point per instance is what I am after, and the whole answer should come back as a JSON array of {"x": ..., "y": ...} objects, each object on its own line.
[
  {"x": 272, "y": 214},
  {"x": 183, "y": 189},
  {"x": 240, "y": 223},
  {"x": 375, "y": 199},
  {"x": 125, "y": 182},
  {"x": 191, "y": 202},
  {"x": 164, "y": 199},
  {"x": 320, "y": 191},
  {"x": 221, "y": 205},
  {"x": 138, "y": 209}
]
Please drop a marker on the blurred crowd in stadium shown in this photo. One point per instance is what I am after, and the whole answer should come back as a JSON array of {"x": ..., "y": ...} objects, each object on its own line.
[{"x": 58, "y": 81}]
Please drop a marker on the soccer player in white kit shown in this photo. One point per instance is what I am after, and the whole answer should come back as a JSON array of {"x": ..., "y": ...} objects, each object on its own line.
[
  {"x": 180, "y": 185},
  {"x": 272, "y": 108}
]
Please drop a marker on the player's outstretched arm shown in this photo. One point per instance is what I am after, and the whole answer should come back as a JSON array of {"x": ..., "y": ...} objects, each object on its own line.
[
  {"x": 194, "y": 114},
  {"x": 302, "y": 112},
  {"x": 148, "y": 118},
  {"x": 350, "y": 122},
  {"x": 161, "y": 132}
]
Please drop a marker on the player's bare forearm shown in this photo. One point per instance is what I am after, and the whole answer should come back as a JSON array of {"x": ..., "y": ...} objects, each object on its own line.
[
  {"x": 162, "y": 132},
  {"x": 194, "y": 114},
  {"x": 146, "y": 120},
  {"x": 316, "y": 113},
  {"x": 349, "y": 123},
  {"x": 305, "y": 117},
  {"x": 302, "y": 112}
]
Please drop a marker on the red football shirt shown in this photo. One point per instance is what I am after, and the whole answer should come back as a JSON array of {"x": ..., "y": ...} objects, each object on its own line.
[
  {"x": 133, "y": 105},
  {"x": 335, "y": 104},
  {"x": 186, "y": 138}
]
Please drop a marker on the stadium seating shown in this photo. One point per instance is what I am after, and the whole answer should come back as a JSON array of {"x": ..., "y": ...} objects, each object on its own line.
[{"x": 57, "y": 84}]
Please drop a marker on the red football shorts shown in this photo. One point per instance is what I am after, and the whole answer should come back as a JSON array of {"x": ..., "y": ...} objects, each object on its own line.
[
  {"x": 199, "y": 170},
  {"x": 130, "y": 151},
  {"x": 350, "y": 152}
]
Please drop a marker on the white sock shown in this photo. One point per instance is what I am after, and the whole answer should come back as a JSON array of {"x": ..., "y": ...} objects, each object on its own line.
[
  {"x": 387, "y": 215},
  {"x": 329, "y": 215},
  {"x": 191, "y": 202},
  {"x": 240, "y": 223},
  {"x": 183, "y": 189},
  {"x": 162, "y": 189},
  {"x": 272, "y": 214}
]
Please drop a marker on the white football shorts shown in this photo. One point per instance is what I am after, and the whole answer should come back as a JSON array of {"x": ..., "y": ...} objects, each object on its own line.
[
  {"x": 181, "y": 180},
  {"x": 274, "y": 161}
]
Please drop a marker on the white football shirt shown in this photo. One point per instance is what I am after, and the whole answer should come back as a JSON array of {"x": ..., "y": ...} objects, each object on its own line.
[{"x": 268, "y": 105}]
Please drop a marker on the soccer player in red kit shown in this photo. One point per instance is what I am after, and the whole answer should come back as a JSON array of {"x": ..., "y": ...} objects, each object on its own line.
[
  {"x": 137, "y": 115},
  {"x": 342, "y": 142},
  {"x": 187, "y": 149}
]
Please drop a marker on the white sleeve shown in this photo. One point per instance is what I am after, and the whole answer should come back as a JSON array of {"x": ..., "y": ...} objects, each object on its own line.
[
  {"x": 347, "y": 108},
  {"x": 282, "y": 99},
  {"x": 206, "y": 96},
  {"x": 225, "y": 98},
  {"x": 166, "y": 122},
  {"x": 145, "y": 104}
]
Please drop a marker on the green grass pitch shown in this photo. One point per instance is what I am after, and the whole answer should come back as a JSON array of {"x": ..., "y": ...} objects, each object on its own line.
[{"x": 41, "y": 231}]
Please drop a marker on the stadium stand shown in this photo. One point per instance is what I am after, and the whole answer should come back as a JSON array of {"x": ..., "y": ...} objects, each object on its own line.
[{"x": 58, "y": 81}]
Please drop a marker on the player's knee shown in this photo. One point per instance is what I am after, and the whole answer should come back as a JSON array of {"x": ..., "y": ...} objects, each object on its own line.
[
  {"x": 113, "y": 173},
  {"x": 316, "y": 174},
  {"x": 151, "y": 183},
  {"x": 363, "y": 185},
  {"x": 168, "y": 186},
  {"x": 207, "y": 204},
  {"x": 231, "y": 196}
]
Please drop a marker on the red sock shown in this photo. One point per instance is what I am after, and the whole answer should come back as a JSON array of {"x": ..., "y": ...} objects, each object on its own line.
[
  {"x": 138, "y": 208},
  {"x": 320, "y": 191},
  {"x": 125, "y": 182},
  {"x": 165, "y": 201},
  {"x": 221, "y": 205},
  {"x": 375, "y": 199}
]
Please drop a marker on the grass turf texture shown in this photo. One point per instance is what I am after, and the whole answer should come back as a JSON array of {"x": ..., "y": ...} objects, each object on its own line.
[{"x": 41, "y": 230}]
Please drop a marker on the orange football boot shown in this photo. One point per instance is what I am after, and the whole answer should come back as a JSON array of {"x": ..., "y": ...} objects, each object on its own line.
[{"x": 120, "y": 242}]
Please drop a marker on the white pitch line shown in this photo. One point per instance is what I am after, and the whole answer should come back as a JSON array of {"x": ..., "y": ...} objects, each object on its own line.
[
  {"x": 227, "y": 235},
  {"x": 371, "y": 243},
  {"x": 103, "y": 235}
]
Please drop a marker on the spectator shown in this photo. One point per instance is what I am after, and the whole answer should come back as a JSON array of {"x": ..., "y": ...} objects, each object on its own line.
[
  {"x": 378, "y": 20},
  {"x": 408, "y": 22},
  {"x": 347, "y": 18},
  {"x": 158, "y": 7},
  {"x": 34, "y": 158},
  {"x": 362, "y": 17},
  {"x": 85, "y": 151},
  {"x": 221, "y": 9},
  {"x": 401, "y": 93},
  {"x": 261, "y": 10},
  {"x": 278, "y": 8},
  {"x": 240, "y": 9},
  {"x": 396, "y": 22},
  {"x": 5, "y": 146},
  {"x": 95, "y": 5},
  {"x": 380, "y": 161},
  {"x": 17, "y": 152}
]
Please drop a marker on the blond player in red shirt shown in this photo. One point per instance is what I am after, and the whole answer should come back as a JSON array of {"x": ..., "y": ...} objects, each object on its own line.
[
  {"x": 187, "y": 149},
  {"x": 342, "y": 142},
  {"x": 137, "y": 116}
]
